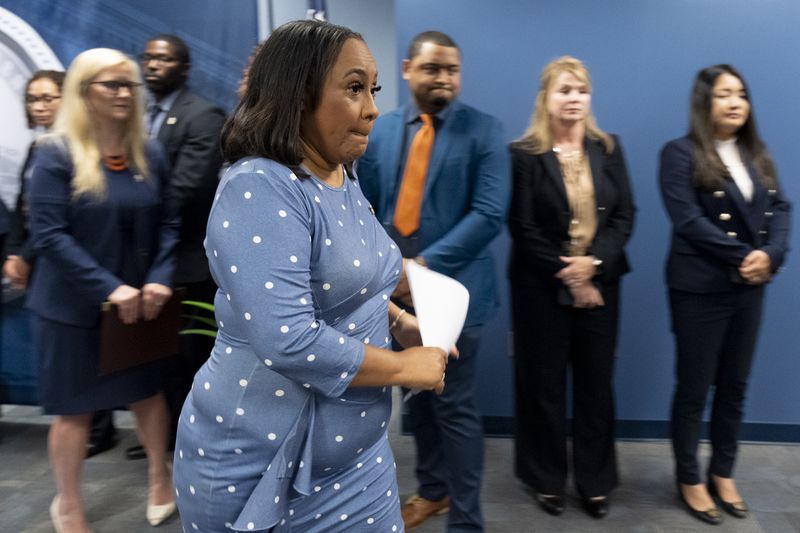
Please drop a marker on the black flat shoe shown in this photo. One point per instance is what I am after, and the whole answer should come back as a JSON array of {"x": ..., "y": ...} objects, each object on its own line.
[
  {"x": 597, "y": 508},
  {"x": 554, "y": 505},
  {"x": 736, "y": 509},
  {"x": 709, "y": 516},
  {"x": 100, "y": 446}
]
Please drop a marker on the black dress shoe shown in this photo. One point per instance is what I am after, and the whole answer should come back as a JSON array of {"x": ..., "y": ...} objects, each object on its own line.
[
  {"x": 100, "y": 446},
  {"x": 737, "y": 509},
  {"x": 709, "y": 516},
  {"x": 597, "y": 507},
  {"x": 554, "y": 505},
  {"x": 135, "y": 452}
]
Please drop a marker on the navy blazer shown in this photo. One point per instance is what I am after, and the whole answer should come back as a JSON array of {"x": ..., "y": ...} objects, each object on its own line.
[
  {"x": 190, "y": 135},
  {"x": 466, "y": 197},
  {"x": 713, "y": 230},
  {"x": 86, "y": 248},
  {"x": 539, "y": 218}
]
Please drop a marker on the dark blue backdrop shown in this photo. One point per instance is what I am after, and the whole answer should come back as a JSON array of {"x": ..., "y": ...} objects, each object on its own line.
[
  {"x": 220, "y": 33},
  {"x": 642, "y": 56}
]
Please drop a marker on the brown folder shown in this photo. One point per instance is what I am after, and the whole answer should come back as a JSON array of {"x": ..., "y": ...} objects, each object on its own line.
[{"x": 124, "y": 346}]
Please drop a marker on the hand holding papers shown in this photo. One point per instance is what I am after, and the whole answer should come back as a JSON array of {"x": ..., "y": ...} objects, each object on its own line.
[{"x": 440, "y": 304}]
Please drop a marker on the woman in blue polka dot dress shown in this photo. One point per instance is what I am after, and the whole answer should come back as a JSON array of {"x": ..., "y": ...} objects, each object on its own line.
[{"x": 286, "y": 425}]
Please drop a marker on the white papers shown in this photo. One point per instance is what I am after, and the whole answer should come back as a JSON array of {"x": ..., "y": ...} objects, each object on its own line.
[{"x": 440, "y": 304}]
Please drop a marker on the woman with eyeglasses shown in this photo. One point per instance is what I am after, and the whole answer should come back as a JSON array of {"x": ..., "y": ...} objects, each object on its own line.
[
  {"x": 42, "y": 98},
  {"x": 730, "y": 225},
  {"x": 103, "y": 230}
]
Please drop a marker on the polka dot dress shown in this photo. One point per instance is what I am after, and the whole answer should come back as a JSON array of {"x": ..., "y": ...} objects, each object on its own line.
[{"x": 271, "y": 437}]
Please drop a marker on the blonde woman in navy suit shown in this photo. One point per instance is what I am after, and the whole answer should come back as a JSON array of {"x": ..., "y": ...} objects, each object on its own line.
[
  {"x": 730, "y": 225},
  {"x": 571, "y": 216},
  {"x": 103, "y": 229}
]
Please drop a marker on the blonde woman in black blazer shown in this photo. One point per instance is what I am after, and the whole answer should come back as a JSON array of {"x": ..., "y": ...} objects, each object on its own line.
[
  {"x": 730, "y": 225},
  {"x": 571, "y": 215}
]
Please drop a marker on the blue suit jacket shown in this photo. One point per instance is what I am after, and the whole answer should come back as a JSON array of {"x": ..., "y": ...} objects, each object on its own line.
[
  {"x": 467, "y": 191},
  {"x": 84, "y": 251},
  {"x": 713, "y": 230}
]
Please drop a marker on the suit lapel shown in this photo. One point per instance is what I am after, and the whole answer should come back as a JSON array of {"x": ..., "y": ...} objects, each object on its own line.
[
  {"x": 553, "y": 169},
  {"x": 172, "y": 119},
  {"x": 758, "y": 204},
  {"x": 441, "y": 147},
  {"x": 594, "y": 151}
]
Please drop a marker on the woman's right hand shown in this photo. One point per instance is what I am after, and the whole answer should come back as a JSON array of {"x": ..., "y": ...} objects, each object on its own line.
[
  {"x": 423, "y": 368},
  {"x": 586, "y": 296},
  {"x": 128, "y": 302},
  {"x": 16, "y": 269}
]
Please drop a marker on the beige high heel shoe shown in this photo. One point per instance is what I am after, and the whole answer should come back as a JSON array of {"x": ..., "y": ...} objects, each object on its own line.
[
  {"x": 158, "y": 514},
  {"x": 54, "y": 516}
]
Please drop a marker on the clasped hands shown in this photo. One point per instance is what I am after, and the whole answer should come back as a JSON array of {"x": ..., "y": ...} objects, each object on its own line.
[
  {"x": 756, "y": 268},
  {"x": 133, "y": 304},
  {"x": 577, "y": 276}
]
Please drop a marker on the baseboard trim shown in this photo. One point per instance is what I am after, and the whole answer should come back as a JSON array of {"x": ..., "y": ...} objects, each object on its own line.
[{"x": 503, "y": 426}]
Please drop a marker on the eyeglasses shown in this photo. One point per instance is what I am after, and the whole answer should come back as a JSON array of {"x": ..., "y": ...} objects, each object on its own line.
[
  {"x": 161, "y": 60},
  {"x": 115, "y": 85},
  {"x": 45, "y": 98}
]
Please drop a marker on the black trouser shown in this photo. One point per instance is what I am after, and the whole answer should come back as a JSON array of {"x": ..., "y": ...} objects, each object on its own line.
[
  {"x": 194, "y": 352},
  {"x": 715, "y": 336},
  {"x": 547, "y": 338}
]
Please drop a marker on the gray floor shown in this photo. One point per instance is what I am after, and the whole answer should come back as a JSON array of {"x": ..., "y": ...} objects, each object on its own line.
[{"x": 115, "y": 489}]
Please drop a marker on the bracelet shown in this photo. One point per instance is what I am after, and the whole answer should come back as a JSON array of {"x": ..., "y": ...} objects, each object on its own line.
[{"x": 397, "y": 319}]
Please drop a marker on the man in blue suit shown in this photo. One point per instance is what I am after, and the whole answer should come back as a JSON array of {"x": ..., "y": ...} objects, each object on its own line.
[{"x": 438, "y": 176}]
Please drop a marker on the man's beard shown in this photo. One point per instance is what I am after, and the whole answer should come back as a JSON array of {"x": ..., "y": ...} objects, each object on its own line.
[{"x": 440, "y": 102}]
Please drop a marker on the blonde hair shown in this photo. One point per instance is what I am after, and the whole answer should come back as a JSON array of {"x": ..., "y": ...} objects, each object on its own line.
[
  {"x": 75, "y": 128},
  {"x": 538, "y": 138}
]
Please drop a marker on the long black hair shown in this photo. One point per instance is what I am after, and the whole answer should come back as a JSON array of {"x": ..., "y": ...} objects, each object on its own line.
[
  {"x": 709, "y": 171},
  {"x": 285, "y": 81}
]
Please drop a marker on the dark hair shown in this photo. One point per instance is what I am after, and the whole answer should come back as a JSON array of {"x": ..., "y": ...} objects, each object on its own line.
[
  {"x": 435, "y": 37},
  {"x": 285, "y": 81},
  {"x": 178, "y": 46},
  {"x": 56, "y": 76},
  {"x": 709, "y": 171}
]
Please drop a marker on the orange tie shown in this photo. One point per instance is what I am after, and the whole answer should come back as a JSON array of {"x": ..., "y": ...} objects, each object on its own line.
[{"x": 409, "y": 201}]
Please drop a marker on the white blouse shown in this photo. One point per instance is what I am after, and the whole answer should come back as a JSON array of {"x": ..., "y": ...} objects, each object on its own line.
[{"x": 729, "y": 154}]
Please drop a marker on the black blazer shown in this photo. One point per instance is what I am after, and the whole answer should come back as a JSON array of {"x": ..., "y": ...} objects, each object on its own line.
[
  {"x": 540, "y": 216},
  {"x": 713, "y": 230},
  {"x": 190, "y": 135}
]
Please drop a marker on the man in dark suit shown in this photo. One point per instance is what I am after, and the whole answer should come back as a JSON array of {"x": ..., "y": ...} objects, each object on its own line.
[
  {"x": 188, "y": 127},
  {"x": 437, "y": 174}
]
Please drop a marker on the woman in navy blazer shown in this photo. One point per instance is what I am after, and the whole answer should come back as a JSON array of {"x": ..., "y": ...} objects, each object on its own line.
[
  {"x": 571, "y": 215},
  {"x": 102, "y": 229},
  {"x": 730, "y": 225}
]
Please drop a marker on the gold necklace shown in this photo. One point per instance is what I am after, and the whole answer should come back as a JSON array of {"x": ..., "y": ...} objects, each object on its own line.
[{"x": 560, "y": 151}]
